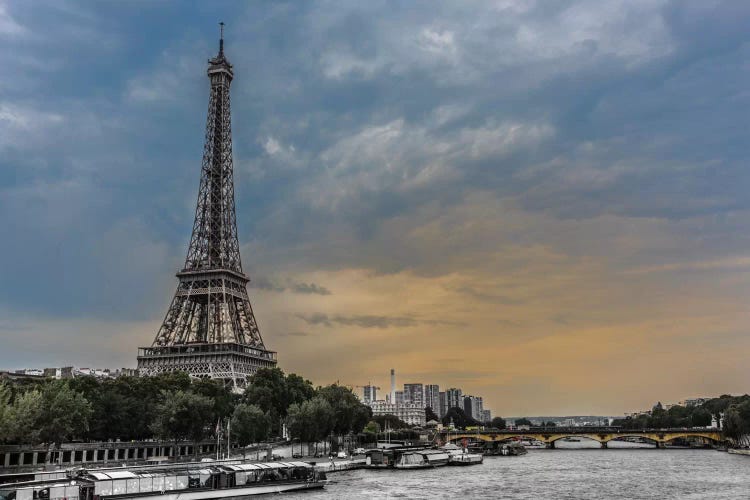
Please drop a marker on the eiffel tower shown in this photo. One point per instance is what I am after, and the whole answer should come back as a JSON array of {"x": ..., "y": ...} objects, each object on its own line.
[{"x": 210, "y": 330}]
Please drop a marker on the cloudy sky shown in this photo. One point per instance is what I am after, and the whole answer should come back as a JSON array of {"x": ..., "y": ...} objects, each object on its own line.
[{"x": 545, "y": 203}]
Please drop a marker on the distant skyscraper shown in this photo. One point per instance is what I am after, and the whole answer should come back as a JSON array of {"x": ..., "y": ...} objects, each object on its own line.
[
  {"x": 473, "y": 407},
  {"x": 467, "y": 406},
  {"x": 454, "y": 398},
  {"x": 432, "y": 397},
  {"x": 393, "y": 386},
  {"x": 443, "y": 405},
  {"x": 477, "y": 408},
  {"x": 486, "y": 416},
  {"x": 414, "y": 394},
  {"x": 399, "y": 398},
  {"x": 369, "y": 393}
]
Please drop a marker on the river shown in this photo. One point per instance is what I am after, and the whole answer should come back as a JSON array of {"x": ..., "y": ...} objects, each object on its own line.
[{"x": 563, "y": 473}]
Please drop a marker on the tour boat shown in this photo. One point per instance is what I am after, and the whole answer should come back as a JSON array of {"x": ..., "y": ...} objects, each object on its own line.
[
  {"x": 461, "y": 456},
  {"x": 436, "y": 458},
  {"x": 174, "y": 482},
  {"x": 412, "y": 460},
  {"x": 421, "y": 459}
]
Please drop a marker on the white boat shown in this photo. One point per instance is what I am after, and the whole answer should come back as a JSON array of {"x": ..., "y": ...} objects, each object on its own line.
[
  {"x": 436, "y": 458},
  {"x": 466, "y": 458},
  {"x": 461, "y": 456},
  {"x": 739, "y": 451},
  {"x": 174, "y": 482},
  {"x": 412, "y": 460}
]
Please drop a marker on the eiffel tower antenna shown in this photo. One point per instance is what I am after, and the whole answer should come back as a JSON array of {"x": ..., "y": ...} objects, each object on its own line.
[
  {"x": 221, "y": 39},
  {"x": 210, "y": 330}
]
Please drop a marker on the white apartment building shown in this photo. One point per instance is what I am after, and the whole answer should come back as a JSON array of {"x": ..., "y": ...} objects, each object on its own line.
[{"x": 410, "y": 413}]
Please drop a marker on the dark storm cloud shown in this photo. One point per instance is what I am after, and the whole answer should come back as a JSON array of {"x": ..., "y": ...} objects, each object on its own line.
[
  {"x": 310, "y": 288},
  {"x": 355, "y": 125},
  {"x": 264, "y": 283},
  {"x": 370, "y": 321},
  {"x": 293, "y": 334}
]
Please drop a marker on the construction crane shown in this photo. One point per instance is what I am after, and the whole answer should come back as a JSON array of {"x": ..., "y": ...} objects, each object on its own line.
[{"x": 369, "y": 384}]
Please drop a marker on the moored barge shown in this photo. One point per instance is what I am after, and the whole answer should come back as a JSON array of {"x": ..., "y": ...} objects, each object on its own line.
[{"x": 185, "y": 482}]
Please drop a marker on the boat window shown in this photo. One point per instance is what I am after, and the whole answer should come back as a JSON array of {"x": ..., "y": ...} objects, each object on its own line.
[
  {"x": 133, "y": 485},
  {"x": 119, "y": 486},
  {"x": 103, "y": 488},
  {"x": 7, "y": 494},
  {"x": 181, "y": 483},
  {"x": 158, "y": 484},
  {"x": 25, "y": 494},
  {"x": 57, "y": 492},
  {"x": 170, "y": 483},
  {"x": 146, "y": 484}
]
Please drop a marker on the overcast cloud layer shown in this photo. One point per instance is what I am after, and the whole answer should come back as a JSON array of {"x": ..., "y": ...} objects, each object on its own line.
[{"x": 544, "y": 203}]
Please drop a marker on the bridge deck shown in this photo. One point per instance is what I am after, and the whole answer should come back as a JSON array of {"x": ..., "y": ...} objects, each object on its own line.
[{"x": 603, "y": 435}]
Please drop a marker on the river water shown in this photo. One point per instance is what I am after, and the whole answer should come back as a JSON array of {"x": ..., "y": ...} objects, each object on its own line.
[{"x": 564, "y": 473}]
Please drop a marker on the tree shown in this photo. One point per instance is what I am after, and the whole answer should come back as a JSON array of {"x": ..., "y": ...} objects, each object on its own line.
[
  {"x": 734, "y": 427},
  {"x": 389, "y": 421},
  {"x": 65, "y": 413},
  {"x": 372, "y": 427},
  {"x": 24, "y": 418},
  {"x": 267, "y": 389},
  {"x": 183, "y": 415},
  {"x": 6, "y": 395},
  {"x": 219, "y": 393},
  {"x": 700, "y": 418},
  {"x": 737, "y": 421},
  {"x": 322, "y": 417},
  {"x": 523, "y": 421},
  {"x": 110, "y": 415},
  {"x": 430, "y": 415},
  {"x": 349, "y": 414},
  {"x": 459, "y": 418},
  {"x": 249, "y": 425},
  {"x": 498, "y": 423},
  {"x": 718, "y": 405},
  {"x": 298, "y": 389},
  {"x": 310, "y": 421}
]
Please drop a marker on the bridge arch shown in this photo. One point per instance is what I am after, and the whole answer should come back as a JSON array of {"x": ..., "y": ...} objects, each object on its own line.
[
  {"x": 590, "y": 437},
  {"x": 707, "y": 436},
  {"x": 650, "y": 438}
]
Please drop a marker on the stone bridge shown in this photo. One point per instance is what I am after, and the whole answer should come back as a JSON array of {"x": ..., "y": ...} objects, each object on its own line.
[{"x": 602, "y": 435}]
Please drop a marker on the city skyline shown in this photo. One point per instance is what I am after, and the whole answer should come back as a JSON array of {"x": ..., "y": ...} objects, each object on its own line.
[{"x": 544, "y": 206}]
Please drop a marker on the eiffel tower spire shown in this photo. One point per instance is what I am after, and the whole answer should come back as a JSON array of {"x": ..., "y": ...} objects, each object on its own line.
[{"x": 210, "y": 329}]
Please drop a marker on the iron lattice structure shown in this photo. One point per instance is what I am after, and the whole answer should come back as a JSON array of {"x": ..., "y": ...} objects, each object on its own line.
[{"x": 210, "y": 329}]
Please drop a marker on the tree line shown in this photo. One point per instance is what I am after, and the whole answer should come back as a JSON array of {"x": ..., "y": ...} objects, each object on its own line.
[
  {"x": 173, "y": 406},
  {"x": 732, "y": 414},
  {"x": 725, "y": 406}
]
